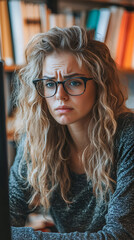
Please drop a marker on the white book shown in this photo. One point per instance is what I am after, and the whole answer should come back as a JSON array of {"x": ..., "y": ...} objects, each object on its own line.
[
  {"x": 102, "y": 25},
  {"x": 17, "y": 31},
  {"x": 53, "y": 20},
  {"x": 113, "y": 30},
  {"x": 112, "y": 25},
  {"x": 43, "y": 17},
  {"x": 69, "y": 19}
]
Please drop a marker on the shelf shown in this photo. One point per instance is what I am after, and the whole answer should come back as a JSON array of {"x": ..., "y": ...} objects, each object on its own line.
[
  {"x": 11, "y": 68},
  {"x": 126, "y": 71},
  {"x": 126, "y": 3},
  {"x": 87, "y": 4},
  {"x": 16, "y": 67}
]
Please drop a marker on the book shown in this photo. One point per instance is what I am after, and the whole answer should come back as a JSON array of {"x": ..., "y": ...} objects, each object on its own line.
[
  {"x": 122, "y": 38},
  {"x": 70, "y": 19},
  {"x": 31, "y": 20},
  {"x": 57, "y": 20},
  {"x": 83, "y": 18},
  {"x": 129, "y": 44},
  {"x": 92, "y": 19},
  {"x": 53, "y": 20},
  {"x": 113, "y": 30},
  {"x": 80, "y": 18},
  {"x": 102, "y": 25},
  {"x": 44, "y": 17},
  {"x": 77, "y": 18},
  {"x": 36, "y": 19},
  {"x": 48, "y": 12},
  {"x": 61, "y": 20},
  {"x": 17, "y": 30},
  {"x": 111, "y": 26},
  {"x": 5, "y": 32}
]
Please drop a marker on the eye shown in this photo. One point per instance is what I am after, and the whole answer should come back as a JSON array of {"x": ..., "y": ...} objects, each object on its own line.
[
  {"x": 49, "y": 84},
  {"x": 75, "y": 82}
]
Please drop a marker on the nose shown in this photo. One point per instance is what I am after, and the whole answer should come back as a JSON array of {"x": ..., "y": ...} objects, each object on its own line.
[{"x": 61, "y": 93}]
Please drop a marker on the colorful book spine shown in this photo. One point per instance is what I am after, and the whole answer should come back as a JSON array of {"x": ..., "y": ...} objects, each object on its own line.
[
  {"x": 6, "y": 40},
  {"x": 31, "y": 20},
  {"x": 124, "y": 29},
  {"x": 129, "y": 45},
  {"x": 113, "y": 29},
  {"x": 92, "y": 19},
  {"x": 102, "y": 25},
  {"x": 17, "y": 31}
]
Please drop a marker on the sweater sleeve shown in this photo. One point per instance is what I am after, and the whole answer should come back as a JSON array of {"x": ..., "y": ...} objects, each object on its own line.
[
  {"x": 120, "y": 216},
  {"x": 18, "y": 191}
]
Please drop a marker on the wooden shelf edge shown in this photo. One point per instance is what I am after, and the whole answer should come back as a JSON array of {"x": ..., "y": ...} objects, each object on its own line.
[
  {"x": 11, "y": 68},
  {"x": 127, "y": 71},
  {"x": 15, "y": 67},
  {"x": 125, "y": 3}
]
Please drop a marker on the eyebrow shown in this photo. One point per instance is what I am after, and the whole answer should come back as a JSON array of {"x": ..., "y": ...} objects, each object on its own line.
[{"x": 65, "y": 76}]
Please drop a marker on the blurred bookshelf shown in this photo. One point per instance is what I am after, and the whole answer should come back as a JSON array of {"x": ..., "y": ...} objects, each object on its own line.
[{"x": 23, "y": 19}]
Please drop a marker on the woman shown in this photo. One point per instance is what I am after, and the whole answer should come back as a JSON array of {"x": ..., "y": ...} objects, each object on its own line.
[{"x": 76, "y": 152}]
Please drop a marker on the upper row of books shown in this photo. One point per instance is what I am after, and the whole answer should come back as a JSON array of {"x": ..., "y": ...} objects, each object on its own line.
[{"x": 20, "y": 21}]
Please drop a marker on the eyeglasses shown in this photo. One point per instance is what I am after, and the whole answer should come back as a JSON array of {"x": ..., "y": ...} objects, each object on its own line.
[{"x": 47, "y": 87}]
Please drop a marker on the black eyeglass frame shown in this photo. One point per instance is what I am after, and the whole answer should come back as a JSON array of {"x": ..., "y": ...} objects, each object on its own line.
[{"x": 84, "y": 79}]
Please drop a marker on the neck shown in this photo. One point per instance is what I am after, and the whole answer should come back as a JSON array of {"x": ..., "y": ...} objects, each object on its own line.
[
  {"x": 78, "y": 133},
  {"x": 79, "y": 136}
]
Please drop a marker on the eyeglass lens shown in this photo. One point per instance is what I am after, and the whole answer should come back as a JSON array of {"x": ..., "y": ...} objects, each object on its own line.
[{"x": 48, "y": 88}]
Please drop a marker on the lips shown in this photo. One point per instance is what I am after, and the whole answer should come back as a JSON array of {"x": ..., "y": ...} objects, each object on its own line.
[{"x": 64, "y": 109}]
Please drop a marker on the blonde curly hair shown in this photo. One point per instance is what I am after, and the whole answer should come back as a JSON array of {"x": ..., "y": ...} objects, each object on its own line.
[{"x": 46, "y": 141}]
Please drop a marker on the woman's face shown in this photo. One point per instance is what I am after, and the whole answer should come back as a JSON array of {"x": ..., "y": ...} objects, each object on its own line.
[{"x": 64, "y": 108}]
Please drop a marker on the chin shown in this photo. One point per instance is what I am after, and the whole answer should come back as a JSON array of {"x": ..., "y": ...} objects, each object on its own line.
[{"x": 64, "y": 121}]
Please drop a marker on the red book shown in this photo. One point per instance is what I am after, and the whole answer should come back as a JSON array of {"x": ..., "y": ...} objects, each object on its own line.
[
  {"x": 129, "y": 48},
  {"x": 122, "y": 38}
]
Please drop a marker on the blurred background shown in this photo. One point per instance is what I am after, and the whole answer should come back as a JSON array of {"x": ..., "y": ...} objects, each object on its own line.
[{"x": 111, "y": 21}]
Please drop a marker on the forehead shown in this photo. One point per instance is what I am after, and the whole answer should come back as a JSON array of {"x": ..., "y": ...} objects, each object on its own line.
[{"x": 63, "y": 62}]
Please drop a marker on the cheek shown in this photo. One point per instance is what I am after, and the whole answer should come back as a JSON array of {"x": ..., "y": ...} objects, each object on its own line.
[
  {"x": 88, "y": 99},
  {"x": 49, "y": 104},
  {"x": 91, "y": 94},
  {"x": 87, "y": 102}
]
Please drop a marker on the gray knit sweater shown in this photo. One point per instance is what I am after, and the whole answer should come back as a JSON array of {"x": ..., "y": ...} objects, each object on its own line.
[{"x": 86, "y": 218}]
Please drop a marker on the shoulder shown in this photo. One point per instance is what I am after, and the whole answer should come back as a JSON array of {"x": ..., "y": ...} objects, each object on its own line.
[
  {"x": 19, "y": 159},
  {"x": 127, "y": 117},
  {"x": 124, "y": 140},
  {"x": 125, "y": 127}
]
